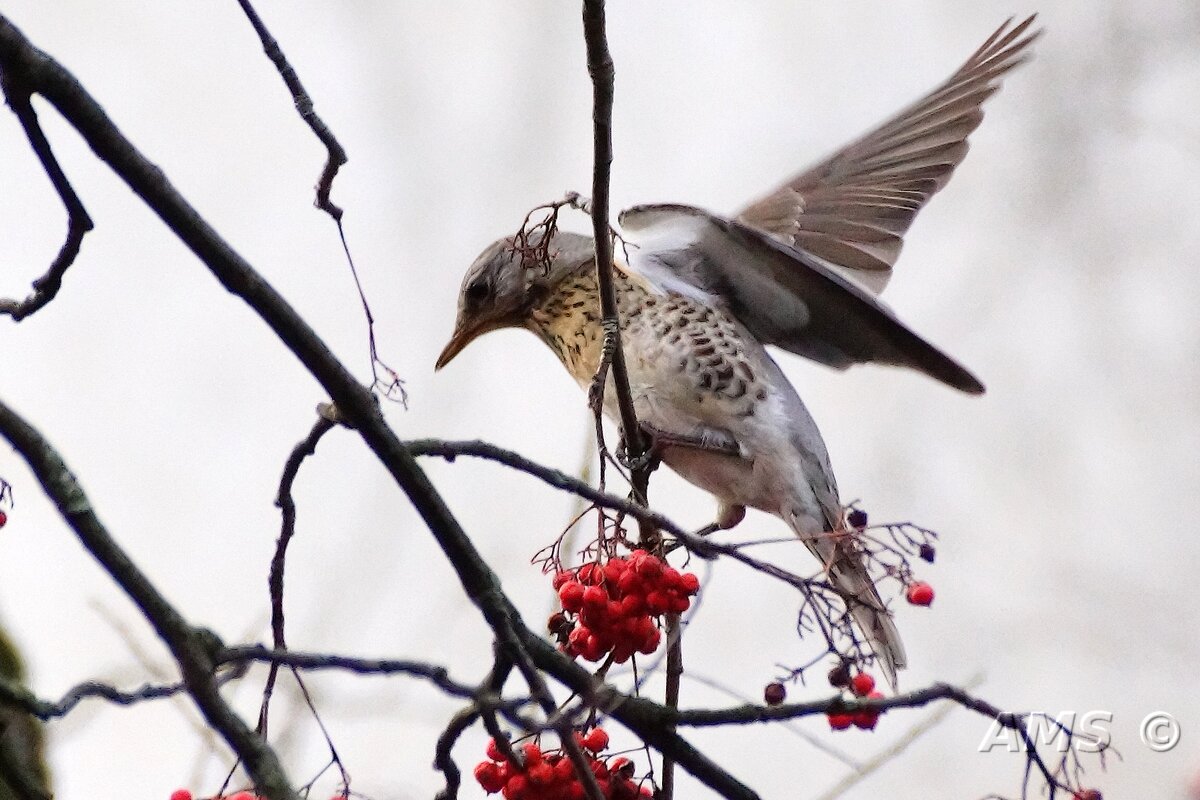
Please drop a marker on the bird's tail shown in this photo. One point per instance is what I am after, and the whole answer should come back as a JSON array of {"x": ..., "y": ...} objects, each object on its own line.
[{"x": 848, "y": 575}]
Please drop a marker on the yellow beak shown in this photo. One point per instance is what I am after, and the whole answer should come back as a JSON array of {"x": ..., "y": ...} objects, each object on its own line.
[{"x": 465, "y": 332}]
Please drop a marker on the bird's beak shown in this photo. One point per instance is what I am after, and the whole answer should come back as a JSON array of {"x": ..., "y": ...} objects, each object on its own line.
[{"x": 464, "y": 333}]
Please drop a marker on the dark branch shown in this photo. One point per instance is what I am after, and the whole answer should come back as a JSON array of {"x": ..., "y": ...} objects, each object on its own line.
[
  {"x": 193, "y": 648},
  {"x": 600, "y": 67},
  {"x": 287, "y": 508},
  {"x": 45, "y": 288},
  {"x": 304, "y": 105},
  {"x": 357, "y": 406},
  {"x": 393, "y": 386},
  {"x": 450, "y": 450}
]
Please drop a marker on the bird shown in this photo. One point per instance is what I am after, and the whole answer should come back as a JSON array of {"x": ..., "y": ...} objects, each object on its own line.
[{"x": 701, "y": 295}]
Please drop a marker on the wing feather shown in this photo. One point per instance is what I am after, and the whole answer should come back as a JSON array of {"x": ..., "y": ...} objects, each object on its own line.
[{"x": 880, "y": 181}]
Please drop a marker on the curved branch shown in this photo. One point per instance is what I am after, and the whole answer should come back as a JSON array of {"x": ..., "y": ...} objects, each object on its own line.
[
  {"x": 450, "y": 450},
  {"x": 336, "y": 154},
  {"x": 193, "y": 648},
  {"x": 356, "y": 405},
  {"x": 45, "y": 288}
]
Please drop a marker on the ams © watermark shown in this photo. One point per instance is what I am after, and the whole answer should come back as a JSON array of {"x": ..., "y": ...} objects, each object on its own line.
[{"x": 1089, "y": 732}]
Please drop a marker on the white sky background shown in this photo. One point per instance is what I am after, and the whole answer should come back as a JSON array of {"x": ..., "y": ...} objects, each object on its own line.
[{"x": 1059, "y": 265}]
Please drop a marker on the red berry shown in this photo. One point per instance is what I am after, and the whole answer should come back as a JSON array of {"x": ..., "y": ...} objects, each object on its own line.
[
  {"x": 591, "y": 574},
  {"x": 866, "y": 719},
  {"x": 629, "y": 583},
  {"x": 1087, "y": 794},
  {"x": 774, "y": 693},
  {"x": 632, "y": 604},
  {"x": 493, "y": 752},
  {"x": 533, "y": 754},
  {"x": 621, "y": 765},
  {"x": 862, "y": 684},
  {"x": 622, "y": 652},
  {"x": 516, "y": 787},
  {"x": 595, "y": 597},
  {"x": 679, "y": 604},
  {"x": 649, "y": 567},
  {"x": 839, "y": 722},
  {"x": 486, "y": 772},
  {"x": 564, "y": 770},
  {"x": 920, "y": 593},
  {"x": 670, "y": 577},
  {"x": 178, "y": 794},
  {"x": 571, "y": 596},
  {"x": 613, "y": 571},
  {"x": 562, "y": 578},
  {"x": 658, "y": 602},
  {"x": 689, "y": 583},
  {"x": 650, "y": 642},
  {"x": 596, "y": 740},
  {"x": 541, "y": 774}
]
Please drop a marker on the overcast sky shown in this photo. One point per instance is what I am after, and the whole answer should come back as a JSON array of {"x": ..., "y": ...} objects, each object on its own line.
[{"x": 1060, "y": 266}]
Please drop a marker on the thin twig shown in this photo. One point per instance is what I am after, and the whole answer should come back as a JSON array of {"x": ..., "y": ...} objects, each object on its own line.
[
  {"x": 336, "y": 154},
  {"x": 450, "y": 450},
  {"x": 45, "y": 288},
  {"x": 287, "y": 508},
  {"x": 393, "y": 386}
]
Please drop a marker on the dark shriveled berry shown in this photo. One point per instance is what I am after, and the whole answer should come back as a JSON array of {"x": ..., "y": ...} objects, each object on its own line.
[{"x": 774, "y": 693}]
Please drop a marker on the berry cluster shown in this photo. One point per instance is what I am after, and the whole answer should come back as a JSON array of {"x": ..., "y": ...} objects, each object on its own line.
[
  {"x": 610, "y": 608},
  {"x": 862, "y": 685},
  {"x": 551, "y": 775}
]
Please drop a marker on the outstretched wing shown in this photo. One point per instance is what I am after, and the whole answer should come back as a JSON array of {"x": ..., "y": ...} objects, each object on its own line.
[
  {"x": 852, "y": 209},
  {"x": 782, "y": 295}
]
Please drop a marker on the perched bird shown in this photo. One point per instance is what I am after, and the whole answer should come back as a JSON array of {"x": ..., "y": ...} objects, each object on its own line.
[{"x": 701, "y": 295}]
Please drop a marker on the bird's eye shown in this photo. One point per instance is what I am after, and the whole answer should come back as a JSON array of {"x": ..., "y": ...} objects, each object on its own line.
[{"x": 477, "y": 290}]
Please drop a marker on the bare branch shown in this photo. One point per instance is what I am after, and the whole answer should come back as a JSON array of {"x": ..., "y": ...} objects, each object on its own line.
[
  {"x": 393, "y": 386},
  {"x": 304, "y": 105},
  {"x": 193, "y": 648},
  {"x": 450, "y": 450},
  {"x": 600, "y": 67},
  {"x": 45, "y": 288},
  {"x": 358, "y": 407},
  {"x": 287, "y": 507}
]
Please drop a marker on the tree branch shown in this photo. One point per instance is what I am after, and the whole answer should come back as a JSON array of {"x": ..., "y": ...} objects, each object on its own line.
[
  {"x": 355, "y": 403},
  {"x": 450, "y": 450},
  {"x": 600, "y": 68},
  {"x": 45, "y": 288},
  {"x": 336, "y": 154},
  {"x": 193, "y": 648}
]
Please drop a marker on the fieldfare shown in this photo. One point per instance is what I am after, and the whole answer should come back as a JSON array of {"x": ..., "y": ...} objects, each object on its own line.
[{"x": 700, "y": 295}]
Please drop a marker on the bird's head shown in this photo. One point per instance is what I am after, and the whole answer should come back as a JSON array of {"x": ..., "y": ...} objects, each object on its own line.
[{"x": 501, "y": 287}]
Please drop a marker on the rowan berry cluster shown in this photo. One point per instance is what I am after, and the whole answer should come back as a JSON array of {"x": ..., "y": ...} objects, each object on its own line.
[
  {"x": 611, "y": 608},
  {"x": 550, "y": 775},
  {"x": 862, "y": 685}
]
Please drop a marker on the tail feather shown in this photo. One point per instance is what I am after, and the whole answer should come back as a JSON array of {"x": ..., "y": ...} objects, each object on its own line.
[{"x": 849, "y": 577}]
